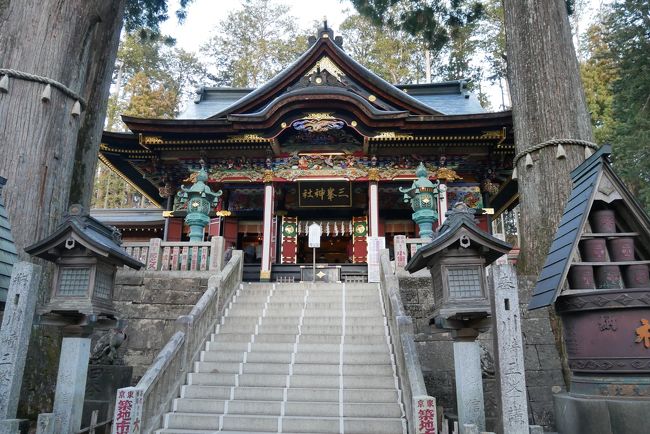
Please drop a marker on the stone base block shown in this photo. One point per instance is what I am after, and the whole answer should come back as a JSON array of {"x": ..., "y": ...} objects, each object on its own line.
[
  {"x": 14, "y": 426},
  {"x": 581, "y": 415}
]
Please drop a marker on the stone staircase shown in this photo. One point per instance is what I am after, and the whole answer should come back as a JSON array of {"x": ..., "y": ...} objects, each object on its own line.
[{"x": 295, "y": 358}]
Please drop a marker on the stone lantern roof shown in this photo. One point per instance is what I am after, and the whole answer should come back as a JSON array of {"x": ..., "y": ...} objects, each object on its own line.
[
  {"x": 459, "y": 228},
  {"x": 91, "y": 233}
]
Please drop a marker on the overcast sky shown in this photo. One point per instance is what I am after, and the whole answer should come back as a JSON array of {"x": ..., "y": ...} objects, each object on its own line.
[{"x": 204, "y": 15}]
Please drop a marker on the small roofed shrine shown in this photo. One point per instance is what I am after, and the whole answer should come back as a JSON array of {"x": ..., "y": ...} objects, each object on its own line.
[{"x": 324, "y": 141}]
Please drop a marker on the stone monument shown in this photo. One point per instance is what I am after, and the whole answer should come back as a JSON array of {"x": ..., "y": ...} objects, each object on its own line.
[{"x": 14, "y": 339}]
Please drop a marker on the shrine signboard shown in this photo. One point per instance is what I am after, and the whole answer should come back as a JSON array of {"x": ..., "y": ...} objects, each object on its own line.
[
  {"x": 128, "y": 411},
  {"x": 426, "y": 421},
  {"x": 316, "y": 194}
]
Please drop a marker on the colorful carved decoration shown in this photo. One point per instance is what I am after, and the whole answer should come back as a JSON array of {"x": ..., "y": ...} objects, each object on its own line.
[
  {"x": 468, "y": 194},
  {"x": 318, "y": 125}
]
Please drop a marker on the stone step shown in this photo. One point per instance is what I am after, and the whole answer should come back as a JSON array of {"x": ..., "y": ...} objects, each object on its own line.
[
  {"x": 297, "y": 313},
  {"x": 302, "y": 338},
  {"x": 309, "y": 305},
  {"x": 298, "y": 348},
  {"x": 291, "y": 408},
  {"x": 301, "y": 357},
  {"x": 311, "y": 320},
  {"x": 292, "y": 394},
  {"x": 301, "y": 381},
  {"x": 284, "y": 424},
  {"x": 335, "y": 330},
  {"x": 296, "y": 369}
]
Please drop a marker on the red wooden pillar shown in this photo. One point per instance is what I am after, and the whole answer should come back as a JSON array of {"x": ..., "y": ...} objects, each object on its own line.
[
  {"x": 175, "y": 229},
  {"x": 230, "y": 231},
  {"x": 214, "y": 228}
]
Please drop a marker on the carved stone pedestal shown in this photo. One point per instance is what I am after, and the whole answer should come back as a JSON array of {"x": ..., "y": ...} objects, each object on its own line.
[{"x": 101, "y": 388}]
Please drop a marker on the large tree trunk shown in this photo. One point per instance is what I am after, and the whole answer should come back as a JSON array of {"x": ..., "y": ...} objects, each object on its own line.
[
  {"x": 547, "y": 102},
  {"x": 73, "y": 42}
]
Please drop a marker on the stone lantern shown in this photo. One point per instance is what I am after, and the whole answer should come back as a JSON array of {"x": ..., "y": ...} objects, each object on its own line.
[
  {"x": 200, "y": 199},
  {"x": 457, "y": 257},
  {"x": 423, "y": 196},
  {"x": 87, "y": 254}
]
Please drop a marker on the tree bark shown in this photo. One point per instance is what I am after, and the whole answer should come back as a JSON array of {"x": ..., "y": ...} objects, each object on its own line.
[
  {"x": 547, "y": 102},
  {"x": 73, "y": 42}
]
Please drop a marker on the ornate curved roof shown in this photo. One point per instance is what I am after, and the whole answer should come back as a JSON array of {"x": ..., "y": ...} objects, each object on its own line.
[{"x": 323, "y": 86}]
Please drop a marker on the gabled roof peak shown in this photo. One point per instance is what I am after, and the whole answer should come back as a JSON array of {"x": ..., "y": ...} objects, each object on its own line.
[{"x": 326, "y": 32}]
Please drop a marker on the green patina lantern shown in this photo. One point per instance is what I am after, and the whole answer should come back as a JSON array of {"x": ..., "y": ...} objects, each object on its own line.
[
  {"x": 200, "y": 199},
  {"x": 423, "y": 196}
]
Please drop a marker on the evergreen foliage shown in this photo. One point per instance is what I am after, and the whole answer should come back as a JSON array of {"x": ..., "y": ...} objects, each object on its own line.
[
  {"x": 253, "y": 43},
  {"x": 628, "y": 37},
  {"x": 152, "y": 79},
  {"x": 391, "y": 54}
]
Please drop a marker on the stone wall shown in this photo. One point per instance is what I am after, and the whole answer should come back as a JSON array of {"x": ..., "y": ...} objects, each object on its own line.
[
  {"x": 151, "y": 301},
  {"x": 543, "y": 368}
]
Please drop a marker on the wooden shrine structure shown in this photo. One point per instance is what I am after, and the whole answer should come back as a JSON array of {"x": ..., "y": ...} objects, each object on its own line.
[{"x": 324, "y": 141}]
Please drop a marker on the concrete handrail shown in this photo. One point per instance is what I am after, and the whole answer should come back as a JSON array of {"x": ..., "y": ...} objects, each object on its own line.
[
  {"x": 400, "y": 324},
  {"x": 140, "y": 409}
]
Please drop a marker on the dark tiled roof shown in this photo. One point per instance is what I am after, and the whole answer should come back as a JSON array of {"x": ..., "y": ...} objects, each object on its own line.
[
  {"x": 553, "y": 274},
  {"x": 92, "y": 233},
  {"x": 211, "y": 100},
  {"x": 8, "y": 254},
  {"x": 129, "y": 216},
  {"x": 450, "y": 98}
]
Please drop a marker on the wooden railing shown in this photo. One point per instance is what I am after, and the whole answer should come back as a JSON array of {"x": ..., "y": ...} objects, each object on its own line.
[
  {"x": 140, "y": 409},
  {"x": 160, "y": 255}
]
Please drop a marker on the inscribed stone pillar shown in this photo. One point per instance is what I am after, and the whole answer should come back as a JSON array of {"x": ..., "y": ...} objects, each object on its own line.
[
  {"x": 15, "y": 332},
  {"x": 373, "y": 209},
  {"x": 511, "y": 375},
  {"x": 442, "y": 203},
  {"x": 71, "y": 384},
  {"x": 469, "y": 384},
  {"x": 217, "y": 251},
  {"x": 265, "y": 273},
  {"x": 400, "y": 251}
]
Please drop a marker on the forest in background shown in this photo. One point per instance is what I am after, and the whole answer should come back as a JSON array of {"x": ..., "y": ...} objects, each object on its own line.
[{"x": 153, "y": 78}]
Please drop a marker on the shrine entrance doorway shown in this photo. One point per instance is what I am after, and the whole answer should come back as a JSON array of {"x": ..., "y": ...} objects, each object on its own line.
[
  {"x": 333, "y": 250},
  {"x": 343, "y": 241}
]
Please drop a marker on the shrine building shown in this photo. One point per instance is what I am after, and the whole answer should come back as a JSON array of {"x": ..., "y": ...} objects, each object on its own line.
[{"x": 325, "y": 141}]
